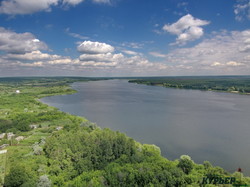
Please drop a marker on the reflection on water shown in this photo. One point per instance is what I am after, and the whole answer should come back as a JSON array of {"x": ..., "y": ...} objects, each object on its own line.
[{"x": 204, "y": 125}]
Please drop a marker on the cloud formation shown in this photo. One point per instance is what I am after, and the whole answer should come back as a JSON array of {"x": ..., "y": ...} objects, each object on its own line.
[
  {"x": 157, "y": 54},
  {"x": 187, "y": 28},
  {"x": 72, "y": 2},
  {"x": 32, "y": 56},
  {"x": 133, "y": 45},
  {"x": 242, "y": 10},
  {"x": 23, "y": 52},
  {"x": 129, "y": 52},
  {"x": 98, "y": 55},
  {"x": 224, "y": 52},
  {"x": 12, "y": 42},
  {"x": 108, "y": 57},
  {"x": 89, "y": 47},
  {"x": 102, "y": 1},
  {"x": 101, "y": 56},
  {"x": 35, "y": 58},
  {"x": 15, "y": 7},
  {"x": 75, "y": 35}
]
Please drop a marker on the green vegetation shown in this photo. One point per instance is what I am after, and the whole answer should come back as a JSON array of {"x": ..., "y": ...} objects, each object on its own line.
[
  {"x": 58, "y": 149},
  {"x": 234, "y": 84},
  {"x": 2, "y": 166}
]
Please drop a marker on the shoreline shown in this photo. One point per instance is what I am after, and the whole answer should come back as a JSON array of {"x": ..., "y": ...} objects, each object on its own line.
[
  {"x": 126, "y": 134},
  {"x": 212, "y": 90},
  {"x": 16, "y": 154}
]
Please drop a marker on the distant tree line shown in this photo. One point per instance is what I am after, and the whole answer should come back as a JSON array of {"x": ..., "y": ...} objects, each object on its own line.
[{"x": 239, "y": 84}]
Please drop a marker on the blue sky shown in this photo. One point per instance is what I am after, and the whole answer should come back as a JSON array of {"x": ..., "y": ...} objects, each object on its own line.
[{"x": 124, "y": 37}]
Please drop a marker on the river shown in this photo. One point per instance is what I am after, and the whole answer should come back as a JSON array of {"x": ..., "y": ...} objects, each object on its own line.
[{"x": 205, "y": 125}]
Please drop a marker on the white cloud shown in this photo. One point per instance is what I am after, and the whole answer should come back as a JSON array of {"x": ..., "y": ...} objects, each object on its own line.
[
  {"x": 118, "y": 62},
  {"x": 35, "y": 64},
  {"x": 242, "y": 10},
  {"x": 128, "y": 52},
  {"x": 140, "y": 64},
  {"x": 222, "y": 50},
  {"x": 101, "y": 56},
  {"x": 224, "y": 53},
  {"x": 216, "y": 64},
  {"x": 72, "y": 2},
  {"x": 220, "y": 53},
  {"x": 187, "y": 28},
  {"x": 183, "y": 24},
  {"x": 233, "y": 63},
  {"x": 89, "y": 47},
  {"x": 94, "y": 64},
  {"x": 245, "y": 46},
  {"x": 13, "y": 42},
  {"x": 62, "y": 60},
  {"x": 191, "y": 34},
  {"x": 133, "y": 45},
  {"x": 34, "y": 55},
  {"x": 23, "y": 50},
  {"x": 75, "y": 35},
  {"x": 102, "y": 1},
  {"x": 14, "y": 7},
  {"x": 182, "y": 4},
  {"x": 230, "y": 63},
  {"x": 157, "y": 54},
  {"x": 108, "y": 57}
]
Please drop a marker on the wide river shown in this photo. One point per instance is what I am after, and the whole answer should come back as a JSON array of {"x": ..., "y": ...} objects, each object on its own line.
[{"x": 205, "y": 125}]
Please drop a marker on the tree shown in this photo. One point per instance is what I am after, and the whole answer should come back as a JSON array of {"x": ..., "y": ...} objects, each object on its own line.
[
  {"x": 37, "y": 150},
  {"x": 16, "y": 177},
  {"x": 44, "y": 181},
  {"x": 186, "y": 164},
  {"x": 207, "y": 165}
]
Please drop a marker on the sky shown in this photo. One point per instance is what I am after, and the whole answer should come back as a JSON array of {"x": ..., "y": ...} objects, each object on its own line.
[{"x": 124, "y": 37}]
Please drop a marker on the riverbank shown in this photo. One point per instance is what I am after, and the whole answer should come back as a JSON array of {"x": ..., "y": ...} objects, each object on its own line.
[
  {"x": 79, "y": 152},
  {"x": 229, "y": 84}
]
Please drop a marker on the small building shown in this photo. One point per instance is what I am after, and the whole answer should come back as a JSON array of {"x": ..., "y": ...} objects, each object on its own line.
[
  {"x": 19, "y": 138},
  {"x": 10, "y": 135},
  {"x": 3, "y": 146},
  {"x": 2, "y": 135},
  {"x": 3, "y": 151},
  {"x": 33, "y": 126},
  {"x": 59, "y": 128},
  {"x": 17, "y": 91}
]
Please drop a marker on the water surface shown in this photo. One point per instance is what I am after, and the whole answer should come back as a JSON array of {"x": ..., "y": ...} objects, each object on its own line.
[{"x": 202, "y": 124}]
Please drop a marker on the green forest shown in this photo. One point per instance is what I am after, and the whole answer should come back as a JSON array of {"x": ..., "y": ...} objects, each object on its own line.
[
  {"x": 233, "y": 84},
  {"x": 42, "y": 146}
]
